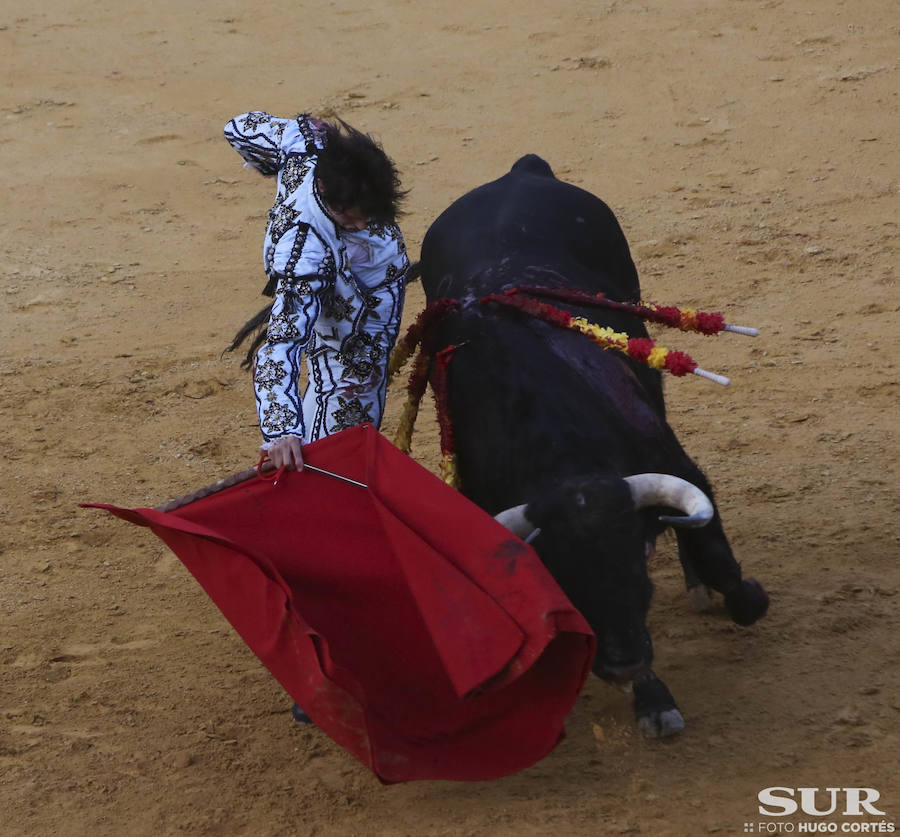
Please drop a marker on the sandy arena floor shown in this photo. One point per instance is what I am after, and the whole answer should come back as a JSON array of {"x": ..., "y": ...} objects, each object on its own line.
[{"x": 749, "y": 148}]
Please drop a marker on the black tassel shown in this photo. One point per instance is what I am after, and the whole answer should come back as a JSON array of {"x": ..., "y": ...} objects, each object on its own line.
[
  {"x": 259, "y": 324},
  {"x": 269, "y": 289}
]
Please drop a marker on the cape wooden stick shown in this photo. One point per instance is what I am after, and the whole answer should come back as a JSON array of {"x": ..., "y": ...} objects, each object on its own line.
[{"x": 242, "y": 476}]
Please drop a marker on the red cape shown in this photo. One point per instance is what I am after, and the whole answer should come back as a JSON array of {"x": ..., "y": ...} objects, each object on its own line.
[{"x": 415, "y": 630}]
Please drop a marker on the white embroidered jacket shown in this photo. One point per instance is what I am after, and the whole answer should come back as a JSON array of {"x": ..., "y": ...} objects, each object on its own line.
[{"x": 338, "y": 298}]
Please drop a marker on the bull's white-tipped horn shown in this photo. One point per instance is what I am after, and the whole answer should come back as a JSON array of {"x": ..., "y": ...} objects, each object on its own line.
[
  {"x": 667, "y": 490},
  {"x": 514, "y": 519}
]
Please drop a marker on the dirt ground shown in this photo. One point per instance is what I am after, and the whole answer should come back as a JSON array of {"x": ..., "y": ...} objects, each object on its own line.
[{"x": 749, "y": 148}]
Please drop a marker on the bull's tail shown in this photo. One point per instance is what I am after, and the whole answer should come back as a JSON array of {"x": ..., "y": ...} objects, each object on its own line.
[{"x": 414, "y": 272}]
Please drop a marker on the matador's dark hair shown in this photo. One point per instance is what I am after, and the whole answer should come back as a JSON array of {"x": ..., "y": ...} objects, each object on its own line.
[{"x": 356, "y": 173}]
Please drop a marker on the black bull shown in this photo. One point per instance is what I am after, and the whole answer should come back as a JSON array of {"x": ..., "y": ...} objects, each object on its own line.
[{"x": 543, "y": 417}]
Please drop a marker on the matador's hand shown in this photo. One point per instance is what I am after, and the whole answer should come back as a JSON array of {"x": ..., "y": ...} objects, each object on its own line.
[{"x": 287, "y": 452}]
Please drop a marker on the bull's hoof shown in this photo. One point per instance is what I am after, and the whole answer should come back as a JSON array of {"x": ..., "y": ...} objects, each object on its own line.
[
  {"x": 661, "y": 724},
  {"x": 747, "y": 602},
  {"x": 700, "y": 598},
  {"x": 654, "y": 706}
]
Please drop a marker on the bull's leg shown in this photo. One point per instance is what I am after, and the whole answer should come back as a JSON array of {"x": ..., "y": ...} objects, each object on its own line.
[
  {"x": 655, "y": 709},
  {"x": 699, "y": 595},
  {"x": 708, "y": 562}
]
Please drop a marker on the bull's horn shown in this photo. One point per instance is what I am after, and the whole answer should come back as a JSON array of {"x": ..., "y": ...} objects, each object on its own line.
[
  {"x": 514, "y": 519},
  {"x": 668, "y": 490}
]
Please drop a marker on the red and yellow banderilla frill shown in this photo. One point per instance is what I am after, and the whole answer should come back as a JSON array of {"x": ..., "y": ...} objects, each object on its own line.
[
  {"x": 421, "y": 337},
  {"x": 642, "y": 349}
]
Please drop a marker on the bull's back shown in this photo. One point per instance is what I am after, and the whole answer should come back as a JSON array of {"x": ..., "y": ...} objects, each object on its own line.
[{"x": 522, "y": 223}]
